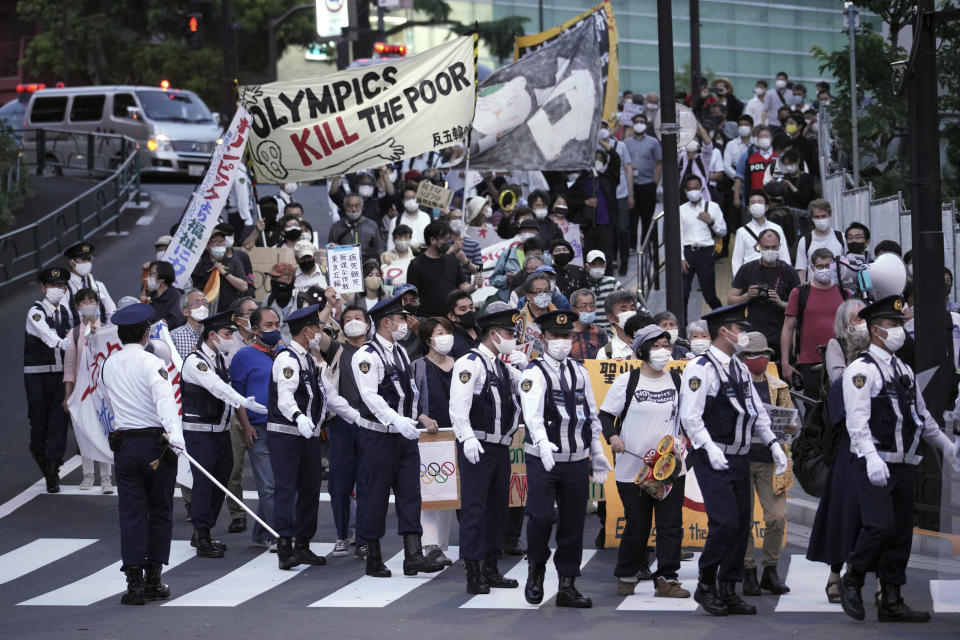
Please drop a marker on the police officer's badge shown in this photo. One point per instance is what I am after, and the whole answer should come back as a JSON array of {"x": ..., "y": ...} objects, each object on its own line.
[
  {"x": 162, "y": 372},
  {"x": 464, "y": 377},
  {"x": 526, "y": 385},
  {"x": 288, "y": 372},
  {"x": 898, "y": 304},
  {"x": 202, "y": 366},
  {"x": 859, "y": 380},
  {"x": 36, "y": 317},
  {"x": 562, "y": 319},
  {"x": 364, "y": 367},
  {"x": 694, "y": 383}
]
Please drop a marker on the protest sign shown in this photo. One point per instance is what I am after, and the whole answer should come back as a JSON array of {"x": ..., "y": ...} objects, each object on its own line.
[
  {"x": 439, "y": 474},
  {"x": 362, "y": 118},
  {"x": 484, "y": 235},
  {"x": 489, "y": 257},
  {"x": 518, "y": 470},
  {"x": 344, "y": 268},
  {"x": 206, "y": 203},
  {"x": 781, "y": 420},
  {"x": 433, "y": 196},
  {"x": 571, "y": 233}
]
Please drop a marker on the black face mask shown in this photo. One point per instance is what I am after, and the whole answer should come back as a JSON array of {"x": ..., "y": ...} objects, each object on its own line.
[
  {"x": 562, "y": 259},
  {"x": 307, "y": 265},
  {"x": 857, "y": 247},
  {"x": 468, "y": 320},
  {"x": 280, "y": 287},
  {"x": 411, "y": 308},
  {"x": 292, "y": 234}
]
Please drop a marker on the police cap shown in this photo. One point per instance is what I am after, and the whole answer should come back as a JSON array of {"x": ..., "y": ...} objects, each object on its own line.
[
  {"x": 734, "y": 313},
  {"x": 388, "y": 306},
  {"x": 79, "y": 250},
  {"x": 889, "y": 307},
  {"x": 302, "y": 317},
  {"x": 54, "y": 275},
  {"x": 506, "y": 319},
  {"x": 132, "y": 315},
  {"x": 222, "y": 320},
  {"x": 557, "y": 321}
]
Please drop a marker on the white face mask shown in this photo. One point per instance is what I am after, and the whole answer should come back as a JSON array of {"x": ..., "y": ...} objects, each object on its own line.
[
  {"x": 400, "y": 332},
  {"x": 597, "y": 272},
  {"x": 859, "y": 329},
  {"x": 505, "y": 346},
  {"x": 781, "y": 84},
  {"x": 604, "y": 133},
  {"x": 83, "y": 268},
  {"x": 598, "y": 165},
  {"x": 759, "y": 91},
  {"x": 693, "y": 146},
  {"x": 764, "y": 143},
  {"x": 823, "y": 276},
  {"x": 355, "y": 328},
  {"x": 559, "y": 348},
  {"x": 694, "y": 195},
  {"x": 223, "y": 346},
  {"x": 314, "y": 342},
  {"x": 659, "y": 358},
  {"x": 200, "y": 314},
  {"x": 758, "y": 209},
  {"x": 623, "y": 316},
  {"x": 740, "y": 341},
  {"x": 652, "y": 107},
  {"x": 526, "y": 235},
  {"x": 541, "y": 300},
  {"x": 228, "y": 241},
  {"x": 456, "y": 226},
  {"x": 54, "y": 295},
  {"x": 822, "y": 224},
  {"x": 218, "y": 252},
  {"x": 769, "y": 255},
  {"x": 487, "y": 213},
  {"x": 151, "y": 283},
  {"x": 674, "y": 334},
  {"x": 290, "y": 187},
  {"x": 443, "y": 344},
  {"x": 744, "y": 131},
  {"x": 540, "y": 214},
  {"x": 896, "y": 336},
  {"x": 88, "y": 310},
  {"x": 365, "y": 191},
  {"x": 640, "y": 127},
  {"x": 410, "y": 206},
  {"x": 402, "y": 245},
  {"x": 160, "y": 254},
  {"x": 789, "y": 169},
  {"x": 699, "y": 345}
]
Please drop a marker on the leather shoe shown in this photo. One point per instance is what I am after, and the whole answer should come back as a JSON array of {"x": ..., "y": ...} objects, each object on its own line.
[
  {"x": 154, "y": 589},
  {"x": 237, "y": 525},
  {"x": 303, "y": 554},
  {"x": 727, "y": 590},
  {"x": 51, "y": 473},
  {"x": 135, "y": 592},
  {"x": 375, "y": 567},
  {"x": 533, "y": 591},
  {"x": 475, "y": 578},
  {"x": 414, "y": 561},
  {"x": 286, "y": 558},
  {"x": 850, "y": 597},
  {"x": 750, "y": 585},
  {"x": 491, "y": 573},
  {"x": 771, "y": 581},
  {"x": 216, "y": 543},
  {"x": 894, "y": 609},
  {"x": 568, "y": 596},
  {"x": 512, "y": 547}
]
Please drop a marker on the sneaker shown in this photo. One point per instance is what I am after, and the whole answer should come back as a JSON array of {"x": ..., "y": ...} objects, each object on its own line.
[
  {"x": 87, "y": 483},
  {"x": 670, "y": 589},
  {"x": 106, "y": 486},
  {"x": 625, "y": 588},
  {"x": 341, "y": 548}
]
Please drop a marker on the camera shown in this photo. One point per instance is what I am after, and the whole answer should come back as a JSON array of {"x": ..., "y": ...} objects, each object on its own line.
[{"x": 763, "y": 291}]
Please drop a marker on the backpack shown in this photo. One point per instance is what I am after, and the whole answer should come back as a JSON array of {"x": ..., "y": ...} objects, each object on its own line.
[{"x": 815, "y": 449}]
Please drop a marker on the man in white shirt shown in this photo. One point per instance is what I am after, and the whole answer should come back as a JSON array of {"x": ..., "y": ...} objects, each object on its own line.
[
  {"x": 412, "y": 217},
  {"x": 736, "y": 147},
  {"x": 308, "y": 271},
  {"x": 619, "y": 306},
  {"x": 754, "y": 106},
  {"x": 781, "y": 96},
  {"x": 823, "y": 236},
  {"x": 748, "y": 236},
  {"x": 700, "y": 222}
]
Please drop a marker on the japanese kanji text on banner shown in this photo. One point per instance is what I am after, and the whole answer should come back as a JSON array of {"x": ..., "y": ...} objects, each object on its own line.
[
  {"x": 344, "y": 268},
  {"x": 361, "y": 118}
]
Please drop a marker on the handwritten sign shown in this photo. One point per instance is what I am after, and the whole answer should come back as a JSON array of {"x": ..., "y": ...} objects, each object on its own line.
[
  {"x": 432, "y": 196},
  {"x": 344, "y": 268}
]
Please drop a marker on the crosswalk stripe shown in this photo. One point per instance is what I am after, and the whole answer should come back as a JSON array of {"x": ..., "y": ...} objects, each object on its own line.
[
  {"x": 379, "y": 592},
  {"x": 946, "y": 595},
  {"x": 248, "y": 581},
  {"x": 513, "y": 598},
  {"x": 104, "y": 583},
  {"x": 806, "y": 580},
  {"x": 36, "y": 489},
  {"x": 644, "y": 600},
  {"x": 37, "y": 554}
]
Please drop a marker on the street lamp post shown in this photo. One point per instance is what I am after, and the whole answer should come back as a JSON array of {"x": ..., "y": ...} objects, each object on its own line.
[{"x": 851, "y": 14}]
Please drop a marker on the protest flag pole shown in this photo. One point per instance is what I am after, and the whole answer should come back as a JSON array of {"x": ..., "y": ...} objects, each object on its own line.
[
  {"x": 256, "y": 196},
  {"x": 476, "y": 86}
]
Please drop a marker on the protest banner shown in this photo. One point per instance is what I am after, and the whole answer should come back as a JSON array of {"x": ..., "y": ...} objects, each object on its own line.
[
  {"x": 605, "y": 24},
  {"x": 518, "y": 470},
  {"x": 630, "y": 109},
  {"x": 571, "y": 233},
  {"x": 602, "y": 374},
  {"x": 543, "y": 110},
  {"x": 439, "y": 473},
  {"x": 344, "y": 271},
  {"x": 307, "y": 129},
  {"x": 489, "y": 257},
  {"x": 433, "y": 196},
  {"x": 262, "y": 260},
  {"x": 206, "y": 203},
  {"x": 484, "y": 235}
]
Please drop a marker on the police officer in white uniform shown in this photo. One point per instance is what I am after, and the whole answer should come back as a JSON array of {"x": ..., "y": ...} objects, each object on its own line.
[
  {"x": 80, "y": 259},
  {"x": 208, "y": 402},
  {"x": 563, "y": 433},
  {"x": 885, "y": 416},
  {"x": 720, "y": 411},
  {"x": 147, "y": 437}
]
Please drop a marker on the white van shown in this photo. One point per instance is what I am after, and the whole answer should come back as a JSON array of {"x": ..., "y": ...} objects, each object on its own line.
[{"x": 176, "y": 131}]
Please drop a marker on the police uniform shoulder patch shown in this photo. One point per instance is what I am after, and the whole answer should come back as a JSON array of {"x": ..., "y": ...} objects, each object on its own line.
[
  {"x": 36, "y": 317},
  {"x": 694, "y": 383},
  {"x": 162, "y": 372},
  {"x": 465, "y": 377},
  {"x": 202, "y": 366},
  {"x": 526, "y": 385},
  {"x": 288, "y": 372},
  {"x": 364, "y": 367},
  {"x": 859, "y": 380}
]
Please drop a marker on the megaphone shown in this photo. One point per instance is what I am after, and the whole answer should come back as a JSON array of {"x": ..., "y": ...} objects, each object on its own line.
[
  {"x": 160, "y": 349},
  {"x": 885, "y": 276}
]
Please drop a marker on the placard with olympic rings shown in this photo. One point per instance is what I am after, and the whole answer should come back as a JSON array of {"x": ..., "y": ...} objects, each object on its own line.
[{"x": 439, "y": 475}]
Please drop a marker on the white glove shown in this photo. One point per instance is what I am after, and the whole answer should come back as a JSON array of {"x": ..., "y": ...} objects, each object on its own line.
[
  {"x": 472, "y": 450},
  {"x": 779, "y": 458},
  {"x": 407, "y": 428},
  {"x": 600, "y": 467},
  {"x": 250, "y": 404},
  {"x": 305, "y": 426},
  {"x": 717, "y": 460},
  {"x": 65, "y": 342},
  {"x": 176, "y": 442},
  {"x": 518, "y": 359},
  {"x": 877, "y": 470},
  {"x": 545, "y": 449}
]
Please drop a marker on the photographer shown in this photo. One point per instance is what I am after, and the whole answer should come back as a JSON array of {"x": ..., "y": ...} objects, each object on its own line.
[{"x": 765, "y": 284}]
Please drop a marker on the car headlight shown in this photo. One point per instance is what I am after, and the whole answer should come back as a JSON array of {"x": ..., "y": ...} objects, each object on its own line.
[{"x": 163, "y": 142}]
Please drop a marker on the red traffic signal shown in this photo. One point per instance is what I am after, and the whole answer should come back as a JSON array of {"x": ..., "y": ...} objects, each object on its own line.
[
  {"x": 194, "y": 30},
  {"x": 193, "y": 24}
]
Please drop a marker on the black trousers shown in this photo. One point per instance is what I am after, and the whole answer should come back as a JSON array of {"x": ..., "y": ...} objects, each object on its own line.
[
  {"x": 702, "y": 264},
  {"x": 728, "y": 500},
  {"x": 297, "y": 475},
  {"x": 484, "y": 499},
  {"x": 214, "y": 453},
  {"x": 567, "y": 486},
  {"x": 639, "y": 508},
  {"x": 644, "y": 205},
  {"x": 388, "y": 461},
  {"x": 48, "y": 420},
  {"x": 344, "y": 473},
  {"x": 886, "y": 536},
  {"x": 514, "y": 525},
  {"x": 145, "y": 501}
]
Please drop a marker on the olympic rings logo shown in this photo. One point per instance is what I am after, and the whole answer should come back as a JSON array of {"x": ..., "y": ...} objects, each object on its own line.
[{"x": 439, "y": 473}]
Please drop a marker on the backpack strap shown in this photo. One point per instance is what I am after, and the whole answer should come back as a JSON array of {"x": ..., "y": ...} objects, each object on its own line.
[{"x": 633, "y": 380}]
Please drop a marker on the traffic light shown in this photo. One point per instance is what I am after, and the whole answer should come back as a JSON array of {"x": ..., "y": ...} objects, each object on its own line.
[{"x": 194, "y": 30}]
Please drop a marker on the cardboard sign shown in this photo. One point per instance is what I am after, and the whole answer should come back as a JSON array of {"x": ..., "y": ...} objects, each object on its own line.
[
  {"x": 439, "y": 472},
  {"x": 344, "y": 268},
  {"x": 432, "y": 196}
]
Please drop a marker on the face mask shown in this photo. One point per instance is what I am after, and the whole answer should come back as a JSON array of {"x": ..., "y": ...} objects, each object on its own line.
[
  {"x": 559, "y": 348},
  {"x": 764, "y": 143},
  {"x": 88, "y": 310},
  {"x": 597, "y": 272},
  {"x": 402, "y": 245},
  {"x": 160, "y": 254},
  {"x": 859, "y": 330},
  {"x": 561, "y": 259},
  {"x": 540, "y": 214},
  {"x": 467, "y": 320},
  {"x": 659, "y": 358},
  {"x": 290, "y": 187},
  {"x": 623, "y": 316},
  {"x": 896, "y": 336},
  {"x": 757, "y": 365},
  {"x": 151, "y": 283},
  {"x": 223, "y": 346},
  {"x": 280, "y": 287},
  {"x": 758, "y": 91},
  {"x": 314, "y": 342},
  {"x": 218, "y": 252},
  {"x": 790, "y": 168},
  {"x": 823, "y": 276},
  {"x": 694, "y": 195},
  {"x": 740, "y": 341},
  {"x": 770, "y": 255},
  {"x": 674, "y": 334},
  {"x": 692, "y": 147},
  {"x": 200, "y": 314},
  {"x": 412, "y": 308},
  {"x": 758, "y": 209},
  {"x": 822, "y": 224},
  {"x": 640, "y": 128},
  {"x": 456, "y": 226},
  {"x": 598, "y": 165},
  {"x": 744, "y": 131},
  {"x": 83, "y": 268},
  {"x": 781, "y": 84},
  {"x": 699, "y": 345},
  {"x": 400, "y": 332},
  {"x": 410, "y": 206},
  {"x": 588, "y": 317},
  {"x": 292, "y": 234},
  {"x": 353, "y": 216},
  {"x": 228, "y": 241},
  {"x": 651, "y": 108},
  {"x": 355, "y": 328},
  {"x": 857, "y": 247},
  {"x": 443, "y": 344},
  {"x": 791, "y": 129},
  {"x": 307, "y": 265},
  {"x": 365, "y": 191},
  {"x": 604, "y": 133},
  {"x": 542, "y": 300},
  {"x": 372, "y": 283},
  {"x": 270, "y": 338},
  {"x": 392, "y": 176},
  {"x": 505, "y": 345}
]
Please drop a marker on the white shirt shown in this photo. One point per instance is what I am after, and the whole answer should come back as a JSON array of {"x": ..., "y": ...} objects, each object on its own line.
[
  {"x": 754, "y": 109},
  {"x": 368, "y": 372},
  {"x": 620, "y": 350},
  {"x": 653, "y": 413},
  {"x": 694, "y": 232},
  {"x": 731, "y": 154},
  {"x": 417, "y": 222},
  {"x": 39, "y": 328},
  {"x": 828, "y": 241},
  {"x": 624, "y": 154},
  {"x": 303, "y": 281},
  {"x": 461, "y": 393},
  {"x": 291, "y": 358},
  {"x": 77, "y": 282},
  {"x": 137, "y": 385},
  {"x": 745, "y": 246},
  {"x": 200, "y": 370},
  {"x": 716, "y": 164}
]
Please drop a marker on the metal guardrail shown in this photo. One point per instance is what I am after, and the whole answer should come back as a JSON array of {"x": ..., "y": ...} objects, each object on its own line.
[
  {"x": 649, "y": 265},
  {"x": 29, "y": 249}
]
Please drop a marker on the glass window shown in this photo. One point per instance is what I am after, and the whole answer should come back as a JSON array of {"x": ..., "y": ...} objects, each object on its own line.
[
  {"x": 176, "y": 106},
  {"x": 87, "y": 108},
  {"x": 121, "y": 101},
  {"x": 50, "y": 109}
]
